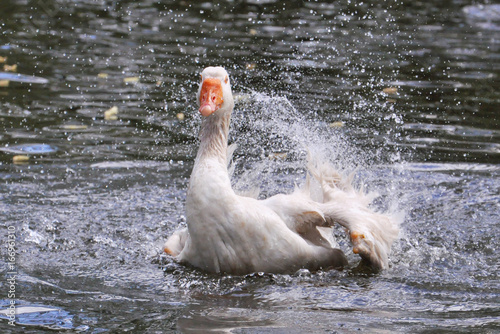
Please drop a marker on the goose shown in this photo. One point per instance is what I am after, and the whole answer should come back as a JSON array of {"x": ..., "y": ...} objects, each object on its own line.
[{"x": 231, "y": 234}]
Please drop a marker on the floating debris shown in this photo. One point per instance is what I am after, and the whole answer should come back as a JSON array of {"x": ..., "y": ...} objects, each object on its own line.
[
  {"x": 390, "y": 90},
  {"x": 131, "y": 79},
  {"x": 252, "y": 32},
  {"x": 10, "y": 68},
  {"x": 102, "y": 75},
  {"x": 111, "y": 114},
  {"x": 30, "y": 309},
  {"x": 180, "y": 116},
  {"x": 277, "y": 156},
  {"x": 159, "y": 83},
  {"x": 74, "y": 127},
  {"x": 20, "y": 159},
  {"x": 22, "y": 78},
  {"x": 4, "y": 83},
  {"x": 29, "y": 149},
  {"x": 251, "y": 66},
  {"x": 338, "y": 124},
  {"x": 3, "y": 60},
  {"x": 42, "y": 316}
]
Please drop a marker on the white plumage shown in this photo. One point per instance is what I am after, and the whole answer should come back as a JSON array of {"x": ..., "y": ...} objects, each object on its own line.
[{"x": 228, "y": 233}]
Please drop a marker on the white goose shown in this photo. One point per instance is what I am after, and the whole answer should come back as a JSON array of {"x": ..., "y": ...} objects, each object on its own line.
[{"x": 228, "y": 233}]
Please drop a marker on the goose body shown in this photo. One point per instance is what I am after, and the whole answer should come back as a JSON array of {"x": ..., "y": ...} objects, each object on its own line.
[{"x": 233, "y": 234}]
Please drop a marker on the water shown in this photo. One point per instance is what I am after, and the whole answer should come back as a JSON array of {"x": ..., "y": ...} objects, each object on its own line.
[{"x": 414, "y": 85}]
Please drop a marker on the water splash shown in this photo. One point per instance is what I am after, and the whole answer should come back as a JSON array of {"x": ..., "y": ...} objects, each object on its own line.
[{"x": 277, "y": 139}]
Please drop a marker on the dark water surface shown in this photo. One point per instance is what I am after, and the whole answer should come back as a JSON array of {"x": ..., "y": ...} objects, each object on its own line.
[{"x": 415, "y": 85}]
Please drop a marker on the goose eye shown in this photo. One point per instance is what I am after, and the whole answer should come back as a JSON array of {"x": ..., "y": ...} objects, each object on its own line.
[{"x": 226, "y": 79}]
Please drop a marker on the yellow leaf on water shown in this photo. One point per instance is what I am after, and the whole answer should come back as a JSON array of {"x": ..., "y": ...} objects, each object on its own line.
[
  {"x": 20, "y": 159},
  {"x": 338, "y": 124},
  {"x": 102, "y": 75},
  {"x": 251, "y": 66},
  {"x": 277, "y": 156},
  {"x": 10, "y": 68},
  {"x": 4, "y": 83},
  {"x": 111, "y": 113},
  {"x": 3, "y": 59},
  {"x": 253, "y": 32},
  {"x": 74, "y": 127},
  {"x": 180, "y": 116},
  {"x": 131, "y": 79},
  {"x": 390, "y": 90}
]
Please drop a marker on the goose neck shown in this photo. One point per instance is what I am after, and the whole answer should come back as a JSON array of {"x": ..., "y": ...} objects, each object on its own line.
[{"x": 213, "y": 138}]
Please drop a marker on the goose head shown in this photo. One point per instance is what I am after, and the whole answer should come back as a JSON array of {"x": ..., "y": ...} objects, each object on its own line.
[{"x": 214, "y": 93}]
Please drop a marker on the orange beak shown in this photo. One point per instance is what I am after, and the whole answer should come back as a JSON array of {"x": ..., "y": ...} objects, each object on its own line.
[{"x": 210, "y": 96}]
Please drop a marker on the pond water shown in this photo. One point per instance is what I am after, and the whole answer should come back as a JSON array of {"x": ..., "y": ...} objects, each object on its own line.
[{"x": 404, "y": 92}]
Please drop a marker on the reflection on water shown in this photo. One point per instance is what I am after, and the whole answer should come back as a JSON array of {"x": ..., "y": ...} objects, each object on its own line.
[{"x": 404, "y": 92}]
